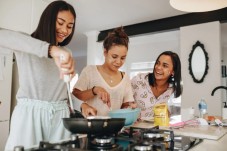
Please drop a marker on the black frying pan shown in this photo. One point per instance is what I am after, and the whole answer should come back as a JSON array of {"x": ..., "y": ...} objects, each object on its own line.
[{"x": 94, "y": 125}]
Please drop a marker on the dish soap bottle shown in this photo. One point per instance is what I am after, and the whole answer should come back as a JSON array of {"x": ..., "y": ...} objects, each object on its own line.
[{"x": 202, "y": 108}]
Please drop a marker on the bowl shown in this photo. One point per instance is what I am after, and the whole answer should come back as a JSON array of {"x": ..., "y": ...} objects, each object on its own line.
[{"x": 129, "y": 114}]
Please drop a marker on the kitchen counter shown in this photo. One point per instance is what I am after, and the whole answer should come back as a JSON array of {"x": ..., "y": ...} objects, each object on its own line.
[
  {"x": 212, "y": 145},
  {"x": 214, "y": 138}
]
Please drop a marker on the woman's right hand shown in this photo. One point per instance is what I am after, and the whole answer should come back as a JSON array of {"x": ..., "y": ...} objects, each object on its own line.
[
  {"x": 67, "y": 63},
  {"x": 103, "y": 95},
  {"x": 87, "y": 110}
]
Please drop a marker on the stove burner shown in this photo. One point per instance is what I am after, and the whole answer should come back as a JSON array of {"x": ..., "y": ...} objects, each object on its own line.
[
  {"x": 103, "y": 143},
  {"x": 147, "y": 146},
  {"x": 143, "y": 147},
  {"x": 158, "y": 135},
  {"x": 103, "y": 140}
]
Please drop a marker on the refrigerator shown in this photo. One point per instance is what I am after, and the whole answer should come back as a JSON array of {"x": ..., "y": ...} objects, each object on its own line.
[{"x": 6, "y": 63}]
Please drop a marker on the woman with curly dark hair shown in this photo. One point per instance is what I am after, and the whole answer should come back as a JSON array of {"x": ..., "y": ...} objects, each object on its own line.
[{"x": 105, "y": 87}]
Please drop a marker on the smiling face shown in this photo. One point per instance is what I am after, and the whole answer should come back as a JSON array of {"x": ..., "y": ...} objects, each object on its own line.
[
  {"x": 163, "y": 68},
  {"x": 64, "y": 25},
  {"x": 115, "y": 57}
]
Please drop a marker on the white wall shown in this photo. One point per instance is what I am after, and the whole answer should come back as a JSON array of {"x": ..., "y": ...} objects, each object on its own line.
[
  {"x": 209, "y": 35},
  {"x": 80, "y": 63},
  {"x": 14, "y": 15}
]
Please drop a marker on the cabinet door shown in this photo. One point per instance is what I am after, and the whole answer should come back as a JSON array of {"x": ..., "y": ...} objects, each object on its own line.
[
  {"x": 6, "y": 62},
  {"x": 4, "y": 132}
]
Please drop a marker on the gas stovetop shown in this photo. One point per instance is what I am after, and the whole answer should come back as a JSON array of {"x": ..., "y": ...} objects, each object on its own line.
[{"x": 133, "y": 139}]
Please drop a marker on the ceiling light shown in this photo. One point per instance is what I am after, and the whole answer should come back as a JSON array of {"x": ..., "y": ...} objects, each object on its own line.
[{"x": 198, "y": 5}]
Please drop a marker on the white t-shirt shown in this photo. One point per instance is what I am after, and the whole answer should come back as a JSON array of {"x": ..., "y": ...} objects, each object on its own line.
[{"x": 119, "y": 94}]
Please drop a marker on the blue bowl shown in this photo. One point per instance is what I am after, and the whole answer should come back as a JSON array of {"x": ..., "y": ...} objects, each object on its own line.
[{"x": 129, "y": 114}]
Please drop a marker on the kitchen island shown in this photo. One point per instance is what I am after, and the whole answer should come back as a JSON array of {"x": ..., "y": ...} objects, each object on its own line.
[{"x": 214, "y": 137}]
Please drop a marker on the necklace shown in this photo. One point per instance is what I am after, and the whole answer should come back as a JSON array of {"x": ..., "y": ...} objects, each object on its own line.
[
  {"x": 110, "y": 77},
  {"x": 107, "y": 75},
  {"x": 111, "y": 81}
]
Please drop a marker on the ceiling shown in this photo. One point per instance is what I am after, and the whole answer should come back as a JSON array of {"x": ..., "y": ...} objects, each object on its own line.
[{"x": 98, "y": 15}]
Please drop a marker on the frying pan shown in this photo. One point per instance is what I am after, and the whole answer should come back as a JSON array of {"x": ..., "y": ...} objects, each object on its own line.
[{"x": 93, "y": 125}]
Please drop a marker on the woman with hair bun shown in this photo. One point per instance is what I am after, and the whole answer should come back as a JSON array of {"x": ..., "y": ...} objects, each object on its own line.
[{"x": 104, "y": 87}]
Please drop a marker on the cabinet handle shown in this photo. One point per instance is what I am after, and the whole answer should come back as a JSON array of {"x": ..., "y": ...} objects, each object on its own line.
[{"x": 0, "y": 102}]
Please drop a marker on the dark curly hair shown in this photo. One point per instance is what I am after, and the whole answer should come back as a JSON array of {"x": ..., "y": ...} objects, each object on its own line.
[{"x": 116, "y": 37}]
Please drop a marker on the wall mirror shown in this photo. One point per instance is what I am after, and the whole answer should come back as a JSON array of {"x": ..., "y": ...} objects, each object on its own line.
[{"x": 198, "y": 62}]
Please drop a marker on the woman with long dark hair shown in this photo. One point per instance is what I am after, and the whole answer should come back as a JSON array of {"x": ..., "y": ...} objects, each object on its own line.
[
  {"x": 160, "y": 85},
  {"x": 42, "y": 94}
]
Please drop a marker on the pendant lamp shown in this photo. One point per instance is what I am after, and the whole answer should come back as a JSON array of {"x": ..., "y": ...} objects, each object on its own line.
[{"x": 198, "y": 5}]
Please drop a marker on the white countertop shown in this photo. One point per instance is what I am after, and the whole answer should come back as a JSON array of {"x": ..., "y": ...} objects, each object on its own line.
[
  {"x": 212, "y": 145},
  {"x": 214, "y": 137}
]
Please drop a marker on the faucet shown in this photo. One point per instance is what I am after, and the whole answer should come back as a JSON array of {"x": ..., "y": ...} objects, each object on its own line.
[{"x": 218, "y": 87}]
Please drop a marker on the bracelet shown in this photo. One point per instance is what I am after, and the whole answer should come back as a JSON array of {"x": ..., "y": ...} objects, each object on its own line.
[
  {"x": 49, "y": 51},
  {"x": 93, "y": 90}
]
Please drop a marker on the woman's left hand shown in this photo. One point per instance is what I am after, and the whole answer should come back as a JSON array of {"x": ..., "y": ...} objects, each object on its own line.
[{"x": 132, "y": 105}]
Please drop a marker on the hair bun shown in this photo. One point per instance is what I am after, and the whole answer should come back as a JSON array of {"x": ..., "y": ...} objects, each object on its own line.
[
  {"x": 119, "y": 32},
  {"x": 116, "y": 37}
]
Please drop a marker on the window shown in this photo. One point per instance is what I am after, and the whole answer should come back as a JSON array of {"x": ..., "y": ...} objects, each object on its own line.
[{"x": 141, "y": 67}]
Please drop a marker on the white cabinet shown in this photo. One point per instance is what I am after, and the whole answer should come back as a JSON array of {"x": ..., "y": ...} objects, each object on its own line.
[
  {"x": 6, "y": 62},
  {"x": 4, "y": 128}
]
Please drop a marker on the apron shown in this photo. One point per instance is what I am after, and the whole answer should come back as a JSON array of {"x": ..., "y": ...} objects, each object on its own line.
[{"x": 33, "y": 121}]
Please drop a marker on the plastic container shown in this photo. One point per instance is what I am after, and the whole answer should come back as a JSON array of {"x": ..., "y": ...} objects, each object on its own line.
[{"x": 202, "y": 108}]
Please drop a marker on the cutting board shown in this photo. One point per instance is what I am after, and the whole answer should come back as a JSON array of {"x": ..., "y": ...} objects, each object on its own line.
[{"x": 202, "y": 131}]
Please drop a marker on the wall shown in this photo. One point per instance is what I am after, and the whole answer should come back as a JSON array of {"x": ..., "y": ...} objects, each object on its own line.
[
  {"x": 14, "y": 15},
  {"x": 80, "y": 63},
  {"x": 209, "y": 35}
]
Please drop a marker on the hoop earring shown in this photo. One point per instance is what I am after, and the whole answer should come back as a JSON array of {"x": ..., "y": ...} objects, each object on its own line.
[{"x": 172, "y": 78}]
